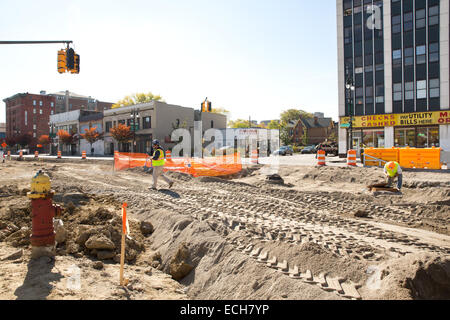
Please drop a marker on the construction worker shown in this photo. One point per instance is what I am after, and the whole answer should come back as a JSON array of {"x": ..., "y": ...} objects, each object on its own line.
[
  {"x": 393, "y": 170},
  {"x": 158, "y": 165}
]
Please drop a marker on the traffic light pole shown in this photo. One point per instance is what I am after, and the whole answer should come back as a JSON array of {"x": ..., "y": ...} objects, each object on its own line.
[{"x": 36, "y": 42}]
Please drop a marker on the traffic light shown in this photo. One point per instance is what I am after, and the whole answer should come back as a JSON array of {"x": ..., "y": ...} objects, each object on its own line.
[
  {"x": 206, "y": 106},
  {"x": 61, "y": 61},
  {"x": 76, "y": 65},
  {"x": 70, "y": 62}
]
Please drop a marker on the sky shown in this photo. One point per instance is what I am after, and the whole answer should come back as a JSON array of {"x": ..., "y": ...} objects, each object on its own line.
[{"x": 255, "y": 58}]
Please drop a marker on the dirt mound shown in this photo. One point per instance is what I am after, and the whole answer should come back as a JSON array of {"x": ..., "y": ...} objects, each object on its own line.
[{"x": 411, "y": 277}]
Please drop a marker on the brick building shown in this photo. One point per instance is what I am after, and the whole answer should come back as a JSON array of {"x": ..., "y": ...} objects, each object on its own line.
[
  {"x": 28, "y": 113},
  {"x": 317, "y": 129}
]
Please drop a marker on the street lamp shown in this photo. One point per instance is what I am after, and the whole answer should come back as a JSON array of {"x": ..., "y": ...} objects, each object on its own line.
[
  {"x": 350, "y": 89},
  {"x": 52, "y": 137},
  {"x": 134, "y": 115}
]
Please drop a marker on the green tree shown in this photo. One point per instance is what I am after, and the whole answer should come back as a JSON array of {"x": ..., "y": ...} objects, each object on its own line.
[
  {"x": 305, "y": 136},
  {"x": 239, "y": 123},
  {"x": 274, "y": 125},
  {"x": 294, "y": 115},
  {"x": 137, "y": 98}
]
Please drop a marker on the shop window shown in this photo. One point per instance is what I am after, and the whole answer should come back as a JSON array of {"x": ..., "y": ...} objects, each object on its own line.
[
  {"x": 405, "y": 137},
  {"x": 373, "y": 139},
  {"x": 427, "y": 137}
]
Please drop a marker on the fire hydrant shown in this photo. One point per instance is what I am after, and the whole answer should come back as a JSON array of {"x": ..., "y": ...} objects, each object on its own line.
[{"x": 43, "y": 212}]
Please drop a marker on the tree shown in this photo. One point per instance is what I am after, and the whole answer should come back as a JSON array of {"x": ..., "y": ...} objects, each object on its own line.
[
  {"x": 24, "y": 140},
  {"x": 305, "y": 136},
  {"x": 274, "y": 125},
  {"x": 239, "y": 123},
  {"x": 11, "y": 141},
  {"x": 121, "y": 133},
  {"x": 137, "y": 98},
  {"x": 66, "y": 138},
  {"x": 294, "y": 115},
  {"x": 44, "y": 140},
  {"x": 220, "y": 110},
  {"x": 91, "y": 135}
]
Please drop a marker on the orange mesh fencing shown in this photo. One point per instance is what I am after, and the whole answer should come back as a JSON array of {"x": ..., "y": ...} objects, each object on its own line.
[{"x": 197, "y": 167}]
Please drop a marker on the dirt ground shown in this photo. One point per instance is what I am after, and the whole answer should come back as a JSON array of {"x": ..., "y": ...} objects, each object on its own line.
[{"x": 319, "y": 235}]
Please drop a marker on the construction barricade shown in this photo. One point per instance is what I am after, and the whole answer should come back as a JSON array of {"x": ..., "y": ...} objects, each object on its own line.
[
  {"x": 59, "y": 154},
  {"x": 36, "y": 155},
  {"x": 351, "y": 158},
  {"x": 197, "y": 167},
  {"x": 254, "y": 157},
  {"x": 168, "y": 155},
  {"x": 83, "y": 155},
  {"x": 321, "y": 158},
  {"x": 413, "y": 158},
  {"x": 20, "y": 155},
  {"x": 9, "y": 155},
  {"x": 420, "y": 158}
]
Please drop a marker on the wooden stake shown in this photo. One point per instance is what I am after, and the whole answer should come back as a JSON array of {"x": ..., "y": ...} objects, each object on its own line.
[{"x": 122, "y": 260}]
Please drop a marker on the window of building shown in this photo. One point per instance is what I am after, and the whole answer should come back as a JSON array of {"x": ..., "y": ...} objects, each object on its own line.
[
  {"x": 409, "y": 56},
  {"x": 379, "y": 93},
  {"x": 40, "y": 111},
  {"x": 128, "y": 122},
  {"x": 40, "y": 103},
  {"x": 421, "y": 54},
  {"x": 52, "y": 104},
  {"x": 373, "y": 138},
  {"x": 34, "y": 127},
  {"x": 433, "y": 15},
  {"x": 434, "y": 88},
  {"x": 422, "y": 89},
  {"x": 421, "y": 18},
  {"x": 409, "y": 91},
  {"x": 26, "y": 118},
  {"x": 396, "y": 24},
  {"x": 34, "y": 134},
  {"x": 408, "y": 21},
  {"x": 51, "y": 112},
  {"x": 398, "y": 94},
  {"x": 121, "y": 121},
  {"x": 108, "y": 126},
  {"x": 397, "y": 58},
  {"x": 34, "y": 110},
  {"x": 434, "y": 52},
  {"x": 427, "y": 137},
  {"x": 348, "y": 35},
  {"x": 34, "y": 102},
  {"x": 359, "y": 70},
  {"x": 147, "y": 123},
  {"x": 405, "y": 137}
]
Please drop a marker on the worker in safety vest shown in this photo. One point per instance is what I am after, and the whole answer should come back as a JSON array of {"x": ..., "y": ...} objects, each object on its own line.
[
  {"x": 393, "y": 170},
  {"x": 158, "y": 161}
]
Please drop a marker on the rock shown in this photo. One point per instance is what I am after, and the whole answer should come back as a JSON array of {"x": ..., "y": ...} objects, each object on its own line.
[
  {"x": 24, "y": 191},
  {"x": 156, "y": 256},
  {"x": 84, "y": 232},
  {"x": 70, "y": 207},
  {"x": 361, "y": 214},
  {"x": 99, "y": 242},
  {"x": 130, "y": 254},
  {"x": 60, "y": 232},
  {"x": 105, "y": 254},
  {"x": 73, "y": 248},
  {"x": 75, "y": 197},
  {"x": 13, "y": 256},
  {"x": 179, "y": 266},
  {"x": 146, "y": 228},
  {"x": 20, "y": 237},
  {"x": 97, "y": 265},
  {"x": 155, "y": 264}
]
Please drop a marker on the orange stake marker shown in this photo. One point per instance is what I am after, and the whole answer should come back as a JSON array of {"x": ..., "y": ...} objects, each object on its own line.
[{"x": 123, "y": 282}]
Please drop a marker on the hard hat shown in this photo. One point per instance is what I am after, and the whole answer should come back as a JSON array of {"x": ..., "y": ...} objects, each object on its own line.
[
  {"x": 391, "y": 165},
  {"x": 156, "y": 142}
]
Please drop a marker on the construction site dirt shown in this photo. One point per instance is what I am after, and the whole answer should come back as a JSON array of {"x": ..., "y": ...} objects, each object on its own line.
[{"x": 319, "y": 234}]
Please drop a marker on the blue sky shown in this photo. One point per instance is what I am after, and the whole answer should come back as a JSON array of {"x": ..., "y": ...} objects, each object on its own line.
[{"x": 253, "y": 58}]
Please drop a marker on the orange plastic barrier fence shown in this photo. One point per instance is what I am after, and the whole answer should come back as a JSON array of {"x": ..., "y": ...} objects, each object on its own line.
[
  {"x": 420, "y": 158},
  {"x": 197, "y": 167},
  {"x": 385, "y": 154},
  {"x": 407, "y": 157}
]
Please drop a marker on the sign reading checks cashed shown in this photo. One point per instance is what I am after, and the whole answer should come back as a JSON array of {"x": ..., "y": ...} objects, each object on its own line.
[{"x": 399, "y": 120}]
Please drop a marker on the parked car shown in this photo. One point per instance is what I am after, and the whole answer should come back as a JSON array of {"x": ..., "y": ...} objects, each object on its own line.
[
  {"x": 328, "y": 148},
  {"x": 309, "y": 150},
  {"x": 24, "y": 151},
  {"x": 284, "y": 151}
]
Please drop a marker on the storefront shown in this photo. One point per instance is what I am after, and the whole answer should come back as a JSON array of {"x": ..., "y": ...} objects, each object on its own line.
[{"x": 415, "y": 130}]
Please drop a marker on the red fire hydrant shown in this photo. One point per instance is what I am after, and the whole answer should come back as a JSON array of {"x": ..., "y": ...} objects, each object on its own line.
[{"x": 43, "y": 212}]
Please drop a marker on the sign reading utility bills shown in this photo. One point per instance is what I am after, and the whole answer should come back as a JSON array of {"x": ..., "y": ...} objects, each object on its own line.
[{"x": 399, "y": 120}]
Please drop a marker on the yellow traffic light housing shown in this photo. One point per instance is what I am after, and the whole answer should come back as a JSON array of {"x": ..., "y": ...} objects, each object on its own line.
[
  {"x": 62, "y": 61},
  {"x": 76, "y": 64}
]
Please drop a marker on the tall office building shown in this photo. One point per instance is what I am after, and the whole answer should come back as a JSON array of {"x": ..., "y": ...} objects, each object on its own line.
[{"x": 393, "y": 64}]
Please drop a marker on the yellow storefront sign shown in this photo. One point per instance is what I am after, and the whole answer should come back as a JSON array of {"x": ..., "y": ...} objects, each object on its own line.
[{"x": 399, "y": 120}]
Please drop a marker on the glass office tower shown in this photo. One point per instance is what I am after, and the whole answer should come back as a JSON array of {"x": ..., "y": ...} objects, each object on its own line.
[{"x": 395, "y": 53}]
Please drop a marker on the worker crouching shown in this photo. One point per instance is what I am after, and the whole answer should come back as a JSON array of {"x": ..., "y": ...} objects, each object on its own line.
[{"x": 392, "y": 171}]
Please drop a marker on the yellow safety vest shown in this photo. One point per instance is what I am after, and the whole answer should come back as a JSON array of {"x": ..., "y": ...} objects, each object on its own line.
[
  {"x": 160, "y": 161},
  {"x": 392, "y": 172}
]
